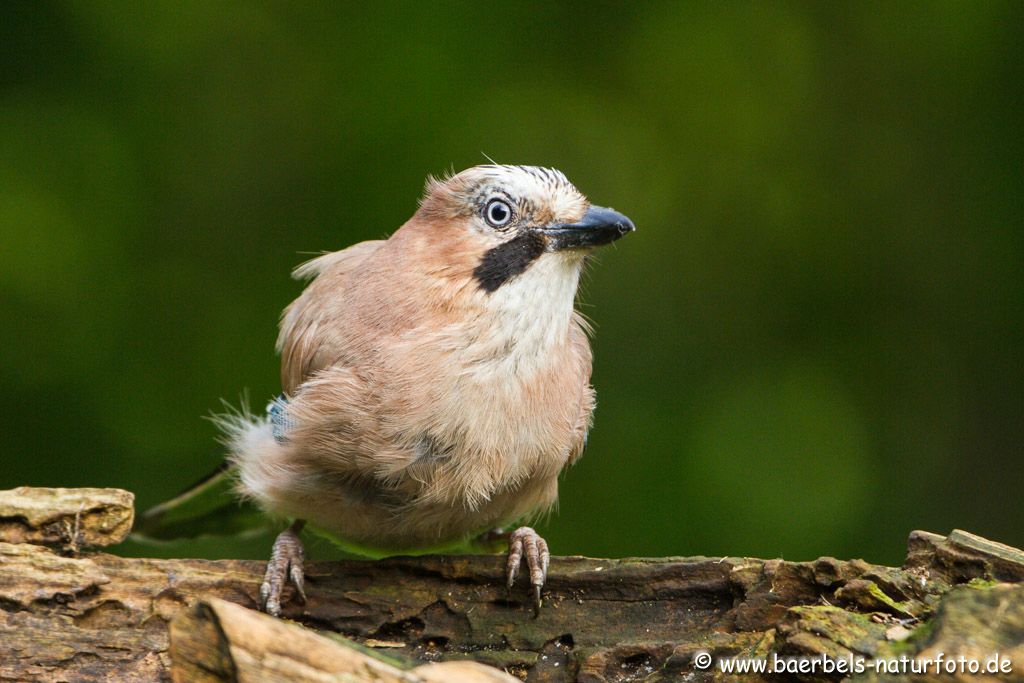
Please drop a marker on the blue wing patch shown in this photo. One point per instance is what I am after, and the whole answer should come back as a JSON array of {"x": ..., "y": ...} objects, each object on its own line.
[{"x": 280, "y": 422}]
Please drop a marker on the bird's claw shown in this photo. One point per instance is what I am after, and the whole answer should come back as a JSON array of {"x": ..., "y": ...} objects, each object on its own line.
[
  {"x": 286, "y": 564},
  {"x": 525, "y": 543}
]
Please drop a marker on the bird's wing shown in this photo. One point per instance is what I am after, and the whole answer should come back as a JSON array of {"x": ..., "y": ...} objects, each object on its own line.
[{"x": 307, "y": 340}]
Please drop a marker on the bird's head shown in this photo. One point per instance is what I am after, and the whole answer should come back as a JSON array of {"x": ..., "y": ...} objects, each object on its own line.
[{"x": 500, "y": 222}]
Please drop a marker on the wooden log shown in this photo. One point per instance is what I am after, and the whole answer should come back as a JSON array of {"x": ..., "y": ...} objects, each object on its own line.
[
  {"x": 100, "y": 617},
  {"x": 69, "y": 518},
  {"x": 220, "y": 641}
]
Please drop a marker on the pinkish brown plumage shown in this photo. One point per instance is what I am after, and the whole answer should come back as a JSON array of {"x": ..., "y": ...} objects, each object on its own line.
[{"x": 435, "y": 383}]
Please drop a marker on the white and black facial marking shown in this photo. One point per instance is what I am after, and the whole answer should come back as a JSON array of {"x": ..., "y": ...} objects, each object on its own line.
[
  {"x": 508, "y": 204},
  {"x": 503, "y": 262}
]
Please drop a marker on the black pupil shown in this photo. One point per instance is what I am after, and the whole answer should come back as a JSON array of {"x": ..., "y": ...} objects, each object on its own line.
[{"x": 499, "y": 212}]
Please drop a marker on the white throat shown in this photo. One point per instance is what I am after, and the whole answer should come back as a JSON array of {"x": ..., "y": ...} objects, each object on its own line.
[{"x": 531, "y": 313}]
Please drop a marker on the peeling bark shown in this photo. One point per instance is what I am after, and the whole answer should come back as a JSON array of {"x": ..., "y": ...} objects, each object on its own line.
[
  {"x": 68, "y": 518},
  {"x": 220, "y": 641},
  {"x": 102, "y": 617}
]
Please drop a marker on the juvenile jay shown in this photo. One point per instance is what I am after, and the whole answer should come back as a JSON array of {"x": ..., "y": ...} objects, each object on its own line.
[{"x": 434, "y": 384}]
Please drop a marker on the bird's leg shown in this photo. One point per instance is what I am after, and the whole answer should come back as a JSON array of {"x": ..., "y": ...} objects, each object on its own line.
[
  {"x": 525, "y": 543},
  {"x": 285, "y": 564}
]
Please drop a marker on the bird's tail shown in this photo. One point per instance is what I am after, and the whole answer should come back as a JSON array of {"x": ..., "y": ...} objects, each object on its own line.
[
  {"x": 212, "y": 506},
  {"x": 258, "y": 447}
]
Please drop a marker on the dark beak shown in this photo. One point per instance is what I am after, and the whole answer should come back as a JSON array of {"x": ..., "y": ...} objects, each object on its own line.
[{"x": 598, "y": 226}]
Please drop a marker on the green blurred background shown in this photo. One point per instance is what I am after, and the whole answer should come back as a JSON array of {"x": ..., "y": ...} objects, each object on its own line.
[{"x": 812, "y": 345}]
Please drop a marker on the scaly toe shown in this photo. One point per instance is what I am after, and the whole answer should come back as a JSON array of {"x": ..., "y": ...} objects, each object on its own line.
[
  {"x": 286, "y": 563},
  {"x": 525, "y": 543},
  {"x": 298, "y": 578},
  {"x": 515, "y": 556}
]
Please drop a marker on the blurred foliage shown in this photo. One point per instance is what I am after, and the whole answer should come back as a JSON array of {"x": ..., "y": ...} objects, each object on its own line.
[{"x": 812, "y": 345}]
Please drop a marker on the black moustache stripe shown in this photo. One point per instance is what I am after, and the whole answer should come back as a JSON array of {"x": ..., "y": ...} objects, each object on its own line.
[{"x": 504, "y": 262}]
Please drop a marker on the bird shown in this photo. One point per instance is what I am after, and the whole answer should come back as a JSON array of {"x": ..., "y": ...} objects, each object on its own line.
[{"x": 434, "y": 384}]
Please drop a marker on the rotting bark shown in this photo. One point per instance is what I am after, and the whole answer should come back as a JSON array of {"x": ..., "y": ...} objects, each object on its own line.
[
  {"x": 218, "y": 640},
  {"x": 106, "y": 618},
  {"x": 66, "y": 518}
]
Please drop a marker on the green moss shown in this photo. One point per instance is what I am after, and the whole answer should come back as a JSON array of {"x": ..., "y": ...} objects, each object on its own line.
[
  {"x": 878, "y": 594},
  {"x": 393, "y": 658},
  {"x": 913, "y": 643},
  {"x": 850, "y": 630}
]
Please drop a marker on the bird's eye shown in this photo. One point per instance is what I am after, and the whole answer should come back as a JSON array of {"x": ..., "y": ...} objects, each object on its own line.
[{"x": 498, "y": 213}]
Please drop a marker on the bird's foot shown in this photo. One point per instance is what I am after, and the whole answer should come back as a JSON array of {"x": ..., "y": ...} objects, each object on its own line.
[
  {"x": 286, "y": 563},
  {"x": 525, "y": 543}
]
